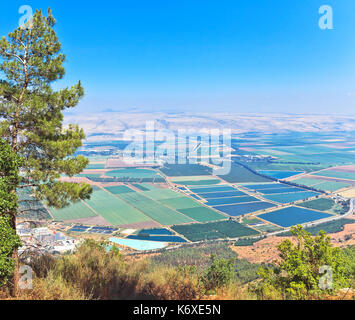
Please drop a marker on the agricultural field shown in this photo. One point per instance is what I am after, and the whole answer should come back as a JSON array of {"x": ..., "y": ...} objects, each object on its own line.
[
  {"x": 250, "y": 220},
  {"x": 140, "y": 187},
  {"x": 75, "y": 211},
  {"x": 154, "y": 232},
  {"x": 246, "y": 242},
  {"x": 328, "y": 227},
  {"x": 113, "y": 209},
  {"x": 316, "y": 154},
  {"x": 281, "y": 190},
  {"x": 233, "y": 200},
  {"x": 307, "y": 152},
  {"x": 267, "y": 228},
  {"x": 153, "y": 209},
  {"x": 331, "y": 186},
  {"x": 290, "y": 197},
  {"x": 324, "y": 204},
  {"x": 348, "y": 193},
  {"x": 194, "y": 182},
  {"x": 336, "y": 174},
  {"x": 202, "y": 214},
  {"x": 280, "y": 166},
  {"x": 225, "y": 194},
  {"x": 132, "y": 173},
  {"x": 281, "y": 193},
  {"x": 306, "y": 181},
  {"x": 261, "y": 187},
  {"x": 239, "y": 174},
  {"x": 279, "y": 174},
  {"x": 244, "y": 208},
  {"x": 209, "y": 189},
  {"x": 214, "y": 230},
  {"x": 321, "y": 184},
  {"x": 187, "y": 206},
  {"x": 180, "y": 203},
  {"x": 176, "y": 170},
  {"x": 291, "y": 216}
]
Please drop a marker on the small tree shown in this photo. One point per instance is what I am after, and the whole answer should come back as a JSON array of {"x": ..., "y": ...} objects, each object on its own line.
[
  {"x": 297, "y": 275},
  {"x": 221, "y": 272}
]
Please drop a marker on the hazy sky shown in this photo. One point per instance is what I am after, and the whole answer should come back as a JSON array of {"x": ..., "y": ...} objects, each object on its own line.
[{"x": 193, "y": 55}]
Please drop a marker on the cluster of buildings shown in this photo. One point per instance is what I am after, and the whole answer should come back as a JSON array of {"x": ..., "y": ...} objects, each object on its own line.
[{"x": 43, "y": 240}]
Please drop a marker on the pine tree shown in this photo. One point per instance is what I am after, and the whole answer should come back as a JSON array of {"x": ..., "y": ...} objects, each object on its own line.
[{"x": 31, "y": 113}]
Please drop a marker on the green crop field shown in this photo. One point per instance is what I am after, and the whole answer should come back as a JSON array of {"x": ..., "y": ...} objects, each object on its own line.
[
  {"x": 246, "y": 242},
  {"x": 120, "y": 189},
  {"x": 76, "y": 210},
  {"x": 192, "y": 209},
  {"x": 161, "y": 194},
  {"x": 248, "y": 220},
  {"x": 114, "y": 210},
  {"x": 214, "y": 230},
  {"x": 180, "y": 203},
  {"x": 202, "y": 214},
  {"x": 149, "y": 186},
  {"x": 331, "y": 186},
  {"x": 324, "y": 204},
  {"x": 153, "y": 209},
  {"x": 309, "y": 182}
]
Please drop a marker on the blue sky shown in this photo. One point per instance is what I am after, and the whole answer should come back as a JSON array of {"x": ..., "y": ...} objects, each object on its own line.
[{"x": 193, "y": 55}]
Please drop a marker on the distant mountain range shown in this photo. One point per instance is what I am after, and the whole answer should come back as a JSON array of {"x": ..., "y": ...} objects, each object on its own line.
[{"x": 108, "y": 123}]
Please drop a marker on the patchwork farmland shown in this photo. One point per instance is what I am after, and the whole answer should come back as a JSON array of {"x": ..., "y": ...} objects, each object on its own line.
[
  {"x": 178, "y": 203},
  {"x": 198, "y": 207}
]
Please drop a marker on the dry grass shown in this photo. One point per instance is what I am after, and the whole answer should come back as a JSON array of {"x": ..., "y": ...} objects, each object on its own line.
[{"x": 93, "y": 273}]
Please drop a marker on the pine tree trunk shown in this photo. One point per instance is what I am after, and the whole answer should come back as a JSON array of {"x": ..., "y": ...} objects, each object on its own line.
[{"x": 16, "y": 277}]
